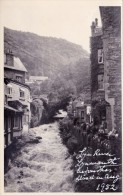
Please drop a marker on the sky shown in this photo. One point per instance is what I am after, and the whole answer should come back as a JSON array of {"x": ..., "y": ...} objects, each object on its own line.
[{"x": 67, "y": 19}]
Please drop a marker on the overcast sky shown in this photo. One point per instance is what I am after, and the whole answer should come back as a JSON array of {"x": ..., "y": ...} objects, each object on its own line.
[{"x": 67, "y": 19}]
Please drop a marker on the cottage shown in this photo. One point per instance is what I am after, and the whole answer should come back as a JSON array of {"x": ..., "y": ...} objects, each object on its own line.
[
  {"x": 79, "y": 111},
  {"x": 17, "y": 92}
]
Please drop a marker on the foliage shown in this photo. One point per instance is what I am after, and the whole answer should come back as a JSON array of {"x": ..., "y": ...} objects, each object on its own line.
[{"x": 36, "y": 107}]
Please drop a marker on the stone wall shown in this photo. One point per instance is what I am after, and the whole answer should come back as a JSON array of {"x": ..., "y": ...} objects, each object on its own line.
[{"x": 112, "y": 61}]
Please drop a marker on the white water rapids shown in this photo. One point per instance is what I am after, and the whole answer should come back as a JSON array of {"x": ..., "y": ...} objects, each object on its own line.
[{"x": 47, "y": 165}]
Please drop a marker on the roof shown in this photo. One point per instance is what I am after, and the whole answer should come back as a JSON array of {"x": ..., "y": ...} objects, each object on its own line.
[
  {"x": 9, "y": 85},
  {"x": 18, "y": 101},
  {"x": 39, "y": 78},
  {"x": 75, "y": 102},
  {"x": 80, "y": 104},
  {"x": 28, "y": 82},
  {"x": 18, "y": 65},
  {"x": 62, "y": 114},
  {"x": 8, "y": 80},
  {"x": 6, "y": 107},
  {"x": 103, "y": 103}
]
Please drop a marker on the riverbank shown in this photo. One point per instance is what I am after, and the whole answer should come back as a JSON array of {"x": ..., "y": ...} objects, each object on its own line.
[
  {"x": 96, "y": 162},
  {"x": 42, "y": 166}
]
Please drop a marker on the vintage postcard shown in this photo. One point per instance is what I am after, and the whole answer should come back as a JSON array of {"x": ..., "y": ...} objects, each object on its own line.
[{"x": 61, "y": 111}]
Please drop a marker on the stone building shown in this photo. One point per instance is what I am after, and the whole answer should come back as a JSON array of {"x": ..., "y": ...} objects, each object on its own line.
[
  {"x": 106, "y": 68},
  {"x": 111, "y": 26}
]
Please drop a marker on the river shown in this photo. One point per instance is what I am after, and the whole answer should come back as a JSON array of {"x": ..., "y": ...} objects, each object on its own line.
[{"x": 43, "y": 167}]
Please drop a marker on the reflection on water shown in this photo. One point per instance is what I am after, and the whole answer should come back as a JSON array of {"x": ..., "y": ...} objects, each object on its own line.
[{"x": 44, "y": 166}]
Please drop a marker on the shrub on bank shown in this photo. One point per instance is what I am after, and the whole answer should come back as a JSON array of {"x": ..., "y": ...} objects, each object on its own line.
[{"x": 76, "y": 139}]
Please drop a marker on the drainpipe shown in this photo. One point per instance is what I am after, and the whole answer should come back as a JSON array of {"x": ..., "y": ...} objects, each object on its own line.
[{"x": 109, "y": 100}]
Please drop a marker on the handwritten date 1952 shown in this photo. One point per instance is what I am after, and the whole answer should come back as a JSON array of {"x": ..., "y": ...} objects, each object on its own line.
[{"x": 106, "y": 187}]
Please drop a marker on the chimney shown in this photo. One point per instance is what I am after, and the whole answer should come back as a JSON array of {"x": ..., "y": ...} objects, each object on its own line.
[
  {"x": 93, "y": 28},
  {"x": 96, "y": 22},
  {"x": 9, "y": 58}
]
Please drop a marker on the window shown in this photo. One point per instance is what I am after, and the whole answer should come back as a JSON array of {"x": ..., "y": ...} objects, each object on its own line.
[
  {"x": 4, "y": 58},
  {"x": 22, "y": 93},
  {"x": 82, "y": 114},
  {"x": 74, "y": 113},
  {"x": 9, "y": 123},
  {"x": 100, "y": 81},
  {"x": 88, "y": 109},
  {"x": 9, "y": 89},
  {"x": 19, "y": 78},
  {"x": 5, "y": 99},
  {"x": 5, "y": 124},
  {"x": 100, "y": 56},
  {"x": 16, "y": 121}
]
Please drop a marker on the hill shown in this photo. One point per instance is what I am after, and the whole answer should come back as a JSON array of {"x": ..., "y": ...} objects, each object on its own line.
[
  {"x": 42, "y": 55},
  {"x": 58, "y": 59}
]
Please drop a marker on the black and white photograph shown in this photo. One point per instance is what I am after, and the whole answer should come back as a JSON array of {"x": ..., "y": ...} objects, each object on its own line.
[{"x": 62, "y": 109}]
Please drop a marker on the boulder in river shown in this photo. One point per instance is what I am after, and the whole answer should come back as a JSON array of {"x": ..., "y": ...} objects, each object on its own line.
[{"x": 34, "y": 141}]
